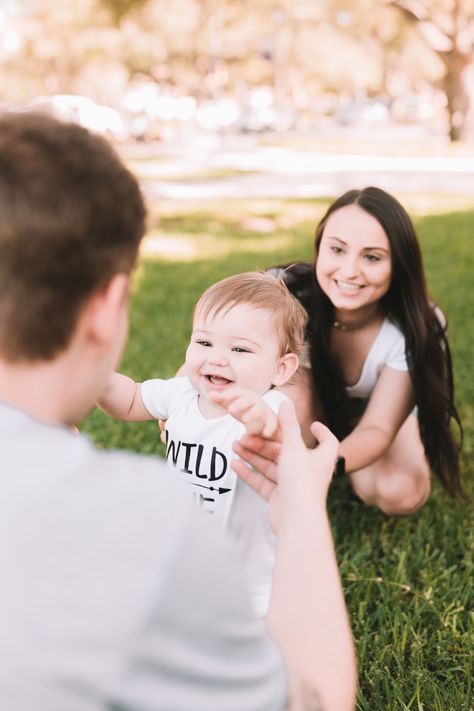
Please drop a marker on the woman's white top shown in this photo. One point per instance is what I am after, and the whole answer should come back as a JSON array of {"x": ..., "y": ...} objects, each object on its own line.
[{"x": 388, "y": 349}]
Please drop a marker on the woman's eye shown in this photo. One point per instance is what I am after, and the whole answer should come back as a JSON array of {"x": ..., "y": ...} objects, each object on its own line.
[
  {"x": 372, "y": 257},
  {"x": 336, "y": 250}
]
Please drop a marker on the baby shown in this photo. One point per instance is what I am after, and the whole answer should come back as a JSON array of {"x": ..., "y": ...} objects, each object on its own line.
[{"x": 248, "y": 331}]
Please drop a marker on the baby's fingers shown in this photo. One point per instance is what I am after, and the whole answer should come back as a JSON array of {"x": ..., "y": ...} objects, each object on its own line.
[
  {"x": 241, "y": 407},
  {"x": 271, "y": 424},
  {"x": 234, "y": 400}
]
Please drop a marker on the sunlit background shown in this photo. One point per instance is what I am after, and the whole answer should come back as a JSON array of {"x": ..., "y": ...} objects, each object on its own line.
[{"x": 161, "y": 70}]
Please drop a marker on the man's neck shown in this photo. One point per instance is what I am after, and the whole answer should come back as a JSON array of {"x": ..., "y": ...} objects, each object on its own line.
[{"x": 45, "y": 389}]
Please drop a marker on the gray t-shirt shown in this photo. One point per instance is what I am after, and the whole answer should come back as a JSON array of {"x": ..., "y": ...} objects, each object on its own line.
[{"x": 112, "y": 599}]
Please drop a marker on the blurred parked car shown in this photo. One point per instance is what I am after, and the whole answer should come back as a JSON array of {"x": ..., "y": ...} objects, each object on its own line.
[
  {"x": 83, "y": 110},
  {"x": 363, "y": 112},
  {"x": 218, "y": 115}
]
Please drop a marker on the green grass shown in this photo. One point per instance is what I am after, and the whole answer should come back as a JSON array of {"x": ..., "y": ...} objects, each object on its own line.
[{"x": 408, "y": 582}]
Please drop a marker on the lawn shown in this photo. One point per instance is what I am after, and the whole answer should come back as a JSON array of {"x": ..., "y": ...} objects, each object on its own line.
[{"x": 408, "y": 582}]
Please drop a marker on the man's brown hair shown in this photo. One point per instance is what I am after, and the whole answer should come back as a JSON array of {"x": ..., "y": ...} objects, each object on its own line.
[
  {"x": 262, "y": 291},
  {"x": 71, "y": 216}
]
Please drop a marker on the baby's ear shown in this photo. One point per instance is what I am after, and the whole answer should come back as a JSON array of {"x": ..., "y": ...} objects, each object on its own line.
[{"x": 286, "y": 367}]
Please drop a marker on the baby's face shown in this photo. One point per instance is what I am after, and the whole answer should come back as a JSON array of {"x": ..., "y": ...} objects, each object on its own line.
[{"x": 238, "y": 346}]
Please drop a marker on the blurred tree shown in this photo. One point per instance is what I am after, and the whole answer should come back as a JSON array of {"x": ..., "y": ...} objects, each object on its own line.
[
  {"x": 360, "y": 50},
  {"x": 311, "y": 55},
  {"x": 447, "y": 26},
  {"x": 57, "y": 48},
  {"x": 118, "y": 9}
]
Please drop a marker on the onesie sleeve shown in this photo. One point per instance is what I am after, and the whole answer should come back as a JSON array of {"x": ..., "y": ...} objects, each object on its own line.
[
  {"x": 273, "y": 398},
  {"x": 157, "y": 395}
]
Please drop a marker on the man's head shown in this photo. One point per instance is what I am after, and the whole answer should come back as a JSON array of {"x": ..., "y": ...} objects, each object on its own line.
[
  {"x": 247, "y": 330},
  {"x": 72, "y": 217}
]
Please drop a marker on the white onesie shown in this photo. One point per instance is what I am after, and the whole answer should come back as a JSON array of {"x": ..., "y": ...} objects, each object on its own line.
[{"x": 199, "y": 451}]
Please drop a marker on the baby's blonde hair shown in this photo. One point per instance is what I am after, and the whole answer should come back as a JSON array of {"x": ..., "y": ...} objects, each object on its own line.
[{"x": 263, "y": 291}]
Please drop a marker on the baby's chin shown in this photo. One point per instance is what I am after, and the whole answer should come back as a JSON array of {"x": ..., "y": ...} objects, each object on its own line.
[{"x": 208, "y": 408}]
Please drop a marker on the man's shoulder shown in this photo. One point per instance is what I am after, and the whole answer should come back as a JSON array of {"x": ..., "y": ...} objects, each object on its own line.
[
  {"x": 122, "y": 468},
  {"x": 70, "y": 470},
  {"x": 123, "y": 462}
]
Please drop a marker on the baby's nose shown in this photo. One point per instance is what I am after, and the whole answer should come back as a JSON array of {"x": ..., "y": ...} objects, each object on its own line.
[{"x": 218, "y": 357}]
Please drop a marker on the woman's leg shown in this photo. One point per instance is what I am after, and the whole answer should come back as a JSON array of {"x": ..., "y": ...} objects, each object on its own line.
[{"x": 399, "y": 482}]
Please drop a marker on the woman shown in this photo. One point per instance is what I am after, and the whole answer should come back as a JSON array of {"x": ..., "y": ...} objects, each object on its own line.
[{"x": 379, "y": 367}]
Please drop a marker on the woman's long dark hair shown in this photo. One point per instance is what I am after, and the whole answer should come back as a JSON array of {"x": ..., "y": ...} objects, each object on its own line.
[{"x": 407, "y": 304}]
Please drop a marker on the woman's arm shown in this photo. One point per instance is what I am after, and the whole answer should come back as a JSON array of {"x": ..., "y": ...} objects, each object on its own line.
[
  {"x": 390, "y": 404},
  {"x": 121, "y": 399},
  {"x": 307, "y": 616}
]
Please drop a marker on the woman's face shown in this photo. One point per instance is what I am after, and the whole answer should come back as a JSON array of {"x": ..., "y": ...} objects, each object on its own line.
[{"x": 354, "y": 264}]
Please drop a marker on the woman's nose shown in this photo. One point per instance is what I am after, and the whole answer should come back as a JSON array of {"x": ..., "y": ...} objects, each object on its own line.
[{"x": 350, "y": 266}]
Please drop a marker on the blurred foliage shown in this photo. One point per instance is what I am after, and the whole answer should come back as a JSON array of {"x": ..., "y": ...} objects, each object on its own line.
[
  {"x": 119, "y": 8},
  {"x": 447, "y": 27},
  {"x": 306, "y": 51}
]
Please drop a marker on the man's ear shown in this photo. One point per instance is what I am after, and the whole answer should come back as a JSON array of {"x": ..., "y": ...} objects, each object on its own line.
[
  {"x": 106, "y": 308},
  {"x": 287, "y": 366}
]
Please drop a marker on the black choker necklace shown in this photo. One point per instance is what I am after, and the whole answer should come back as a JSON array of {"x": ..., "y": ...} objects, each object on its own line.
[{"x": 354, "y": 326}]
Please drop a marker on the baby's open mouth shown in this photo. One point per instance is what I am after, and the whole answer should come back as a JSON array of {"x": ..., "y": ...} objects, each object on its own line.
[{"x": 218, "y": 380}]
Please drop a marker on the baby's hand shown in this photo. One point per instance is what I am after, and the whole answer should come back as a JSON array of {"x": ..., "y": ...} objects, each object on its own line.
[
  {"x": 249, "y": 408},
  {"x": 162, "y": 428}
]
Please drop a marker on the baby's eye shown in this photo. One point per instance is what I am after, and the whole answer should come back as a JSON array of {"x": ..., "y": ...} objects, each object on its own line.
[
  {"x": 239, "y": 349},
  {"x": 206, "y": 344}
]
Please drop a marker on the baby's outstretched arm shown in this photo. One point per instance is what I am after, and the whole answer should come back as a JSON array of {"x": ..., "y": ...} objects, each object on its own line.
[
  {"x": 121, "y": 399},
  {"x": 249, "y": 408}
]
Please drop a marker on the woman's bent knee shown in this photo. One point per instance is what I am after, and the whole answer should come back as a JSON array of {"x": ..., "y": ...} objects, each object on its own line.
[
  {"x": 403, "y": 493},
  {"x": 396, "y": 493}
]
